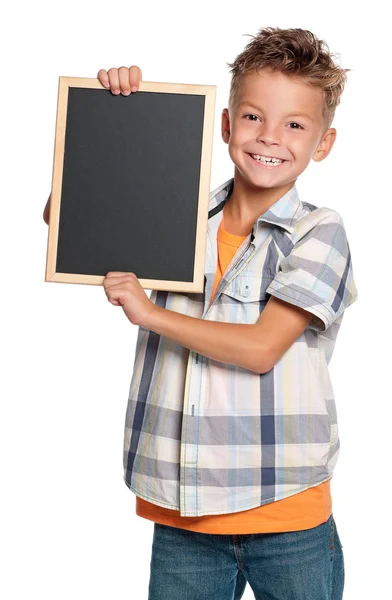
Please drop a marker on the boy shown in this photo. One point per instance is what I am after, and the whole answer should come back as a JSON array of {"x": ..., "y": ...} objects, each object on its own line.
[{"x": 231, "y": 434}]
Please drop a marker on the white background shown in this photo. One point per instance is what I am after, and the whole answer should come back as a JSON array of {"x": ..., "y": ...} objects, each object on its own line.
[{"x": 68, "y": 525}]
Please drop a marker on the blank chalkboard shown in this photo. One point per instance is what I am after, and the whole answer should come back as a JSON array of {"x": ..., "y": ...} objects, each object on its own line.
[{"x": 130, "y": 186}]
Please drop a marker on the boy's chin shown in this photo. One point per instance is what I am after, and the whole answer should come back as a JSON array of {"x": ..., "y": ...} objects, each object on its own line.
[{"x": 260, "y": 182}]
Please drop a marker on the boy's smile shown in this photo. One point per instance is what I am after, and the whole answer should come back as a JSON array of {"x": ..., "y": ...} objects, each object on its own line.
[
  {"x": 268, "y": 162},
  {"x": 275, "y": 127}
]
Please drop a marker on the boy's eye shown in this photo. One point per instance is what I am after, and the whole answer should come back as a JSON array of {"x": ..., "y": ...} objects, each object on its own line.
[{"x": 293, "y": 125}]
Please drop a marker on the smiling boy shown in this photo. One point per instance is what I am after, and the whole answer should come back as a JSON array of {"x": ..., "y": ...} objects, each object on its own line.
[
  {"x": 231, "y": 434},
  {"x": 285, "y": 119}
]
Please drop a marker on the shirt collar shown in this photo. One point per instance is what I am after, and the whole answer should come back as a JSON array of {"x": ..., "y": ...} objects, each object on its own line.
[{"x": 284, "y": 212}]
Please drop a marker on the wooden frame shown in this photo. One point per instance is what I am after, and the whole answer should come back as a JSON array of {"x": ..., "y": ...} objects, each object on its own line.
[{"x": 209, "y": 92}]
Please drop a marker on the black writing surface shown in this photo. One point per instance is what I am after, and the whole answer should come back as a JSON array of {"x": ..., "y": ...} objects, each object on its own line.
[{"x": 130, "y": 197}]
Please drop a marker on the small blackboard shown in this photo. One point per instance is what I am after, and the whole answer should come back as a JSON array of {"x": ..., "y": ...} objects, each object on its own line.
[{"x": 131, "y": 184}]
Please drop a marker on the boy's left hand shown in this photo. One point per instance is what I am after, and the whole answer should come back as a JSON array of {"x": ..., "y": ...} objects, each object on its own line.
[{"x": 124, "y": 289}]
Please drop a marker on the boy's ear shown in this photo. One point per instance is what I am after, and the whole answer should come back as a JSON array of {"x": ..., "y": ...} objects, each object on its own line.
[
  {"x": 325, "y": 145},
  {"x": 225, "y": 125}
]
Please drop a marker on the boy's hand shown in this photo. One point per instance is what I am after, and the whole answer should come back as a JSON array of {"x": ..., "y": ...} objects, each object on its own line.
[
  {"x": 124, "y": 289},
  {"x": 122, "y": 80}
]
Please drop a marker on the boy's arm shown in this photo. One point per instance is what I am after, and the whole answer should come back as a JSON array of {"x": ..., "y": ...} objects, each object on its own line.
[
  {"x": 255, "y": 347},
  {"x": 47, "y": 210}
]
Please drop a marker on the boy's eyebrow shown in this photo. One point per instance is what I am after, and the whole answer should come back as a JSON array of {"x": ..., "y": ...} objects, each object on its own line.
[{"x": 294, "y": 114}]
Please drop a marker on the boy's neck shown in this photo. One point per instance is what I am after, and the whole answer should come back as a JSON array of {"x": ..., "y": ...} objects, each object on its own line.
[{"x": 245, "y": 204}]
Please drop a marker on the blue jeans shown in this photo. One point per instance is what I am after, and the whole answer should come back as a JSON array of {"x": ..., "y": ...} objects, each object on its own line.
[{"x": 295, "y": 565}]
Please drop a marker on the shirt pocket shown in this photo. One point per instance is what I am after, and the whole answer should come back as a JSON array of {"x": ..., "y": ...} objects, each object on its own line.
[{"x": 244, "y": 298}]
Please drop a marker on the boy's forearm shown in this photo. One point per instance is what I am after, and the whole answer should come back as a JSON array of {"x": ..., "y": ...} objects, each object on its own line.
[{"x": 232, "y": 343}]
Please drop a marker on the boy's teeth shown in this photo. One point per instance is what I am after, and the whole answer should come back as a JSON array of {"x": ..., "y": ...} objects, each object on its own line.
[{"x": 266, "y": 159}]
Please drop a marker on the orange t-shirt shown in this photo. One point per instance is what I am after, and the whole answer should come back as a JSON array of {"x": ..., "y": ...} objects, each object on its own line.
[{"x": 300, "y": 511}]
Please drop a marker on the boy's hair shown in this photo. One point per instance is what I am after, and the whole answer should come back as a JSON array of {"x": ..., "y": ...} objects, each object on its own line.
[{"x": 292, "y": 52}]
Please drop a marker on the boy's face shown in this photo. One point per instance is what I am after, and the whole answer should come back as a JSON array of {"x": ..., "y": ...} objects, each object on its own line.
[{"x": 278, "y": 116}]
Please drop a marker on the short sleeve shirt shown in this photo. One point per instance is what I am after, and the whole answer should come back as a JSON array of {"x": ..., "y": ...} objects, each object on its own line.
[{"x": 205, "y": 437}]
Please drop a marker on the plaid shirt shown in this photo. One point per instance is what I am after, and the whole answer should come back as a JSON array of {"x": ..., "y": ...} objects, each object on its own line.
[{"x": 204, "y": 437}]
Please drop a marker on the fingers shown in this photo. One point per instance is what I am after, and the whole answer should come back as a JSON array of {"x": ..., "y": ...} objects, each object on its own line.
[
  {"x": 135, "y": 77},
  {"x": 114, "y": 81},
  {"x": 125, "y": 85},
  {"x": 115, "y": 277},
  {"x": 122, "y": 80},
  {"x": 120, "y": 274},
  {"x": 103, "y": 77},
  {"x": 114, "y": 283}
]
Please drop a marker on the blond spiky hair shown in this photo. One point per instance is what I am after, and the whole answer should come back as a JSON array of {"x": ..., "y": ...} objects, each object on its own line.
[{"x": 292, "y": 52}]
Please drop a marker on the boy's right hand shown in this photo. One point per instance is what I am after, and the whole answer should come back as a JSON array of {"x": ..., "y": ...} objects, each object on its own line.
[{"x": 122, "y": 80}]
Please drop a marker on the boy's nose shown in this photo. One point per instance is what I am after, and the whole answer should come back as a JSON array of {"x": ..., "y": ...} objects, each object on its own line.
[{"x": 269, "y": 137}]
